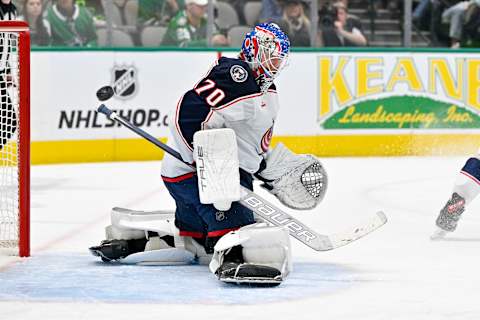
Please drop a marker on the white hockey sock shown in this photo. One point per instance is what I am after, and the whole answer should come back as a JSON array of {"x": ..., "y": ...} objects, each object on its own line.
[{"x": 467, "y": 186}]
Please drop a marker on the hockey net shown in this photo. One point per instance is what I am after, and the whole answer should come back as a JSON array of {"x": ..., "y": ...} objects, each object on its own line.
[{"x": 14, "y": 138}]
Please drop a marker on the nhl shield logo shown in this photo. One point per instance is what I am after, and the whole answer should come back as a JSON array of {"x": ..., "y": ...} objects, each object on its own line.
[
  {"x": 220, "y": 215},
  {"x": 124, "y": 82}
]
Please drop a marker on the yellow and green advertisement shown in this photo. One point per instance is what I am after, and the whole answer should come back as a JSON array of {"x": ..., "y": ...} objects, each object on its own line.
[{"x": 399, "y": 91}]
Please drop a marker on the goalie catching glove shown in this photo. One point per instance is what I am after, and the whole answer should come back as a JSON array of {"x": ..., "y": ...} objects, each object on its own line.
[{"x": 298, "y": 181}]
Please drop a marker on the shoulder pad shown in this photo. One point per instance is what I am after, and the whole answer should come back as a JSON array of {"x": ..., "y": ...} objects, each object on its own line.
[{"x": 234, "y": 76}]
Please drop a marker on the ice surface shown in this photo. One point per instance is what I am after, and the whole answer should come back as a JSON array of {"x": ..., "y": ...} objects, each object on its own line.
[
  {"x": 68, "y": 277},
  {"x": 394, "y": 273}
]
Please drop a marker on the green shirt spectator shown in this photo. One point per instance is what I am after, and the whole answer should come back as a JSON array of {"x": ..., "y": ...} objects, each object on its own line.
[
  {"x": 189, "y": 27},
  {"x": 40, "y": 34},
  {"x": 158, "y": 11},
  {"x": 71, "y": 24}
]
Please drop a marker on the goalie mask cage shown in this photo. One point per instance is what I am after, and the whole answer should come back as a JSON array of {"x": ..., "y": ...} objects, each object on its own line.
[{"x": 14, "y": 138}]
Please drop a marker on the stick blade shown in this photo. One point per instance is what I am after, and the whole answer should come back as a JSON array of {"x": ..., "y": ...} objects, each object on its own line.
[{"x": 343, "y": 238}]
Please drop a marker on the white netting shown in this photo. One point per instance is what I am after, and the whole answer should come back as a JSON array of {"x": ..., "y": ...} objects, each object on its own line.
[{"x": 9, "y": 142}]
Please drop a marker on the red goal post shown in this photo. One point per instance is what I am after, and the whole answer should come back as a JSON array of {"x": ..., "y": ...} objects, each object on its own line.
[{"x": 14, "y": 138}]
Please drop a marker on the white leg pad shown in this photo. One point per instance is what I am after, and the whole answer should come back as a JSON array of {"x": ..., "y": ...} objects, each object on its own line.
[
  {"x": 129, "y": 224},
  {"x": 262, "y": 245},
  {"x": 113, "y": 232},
  {"x": 169, "y": 256},
  {"x": 160, "y": 222},
  {"x": 157, "y": 252}
]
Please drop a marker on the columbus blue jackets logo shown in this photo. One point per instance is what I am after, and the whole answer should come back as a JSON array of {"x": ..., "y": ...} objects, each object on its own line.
[
  {"x": 266, "y": 139},
  {"x": 124, "y": 82},
  {"x": 238, "y": 73}
]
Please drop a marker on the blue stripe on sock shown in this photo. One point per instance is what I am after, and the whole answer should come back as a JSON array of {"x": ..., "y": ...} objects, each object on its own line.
[{"x": 472, "y": 167}]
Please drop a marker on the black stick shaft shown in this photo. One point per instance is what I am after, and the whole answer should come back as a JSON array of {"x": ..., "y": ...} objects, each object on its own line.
[{"x": 113, "y": 115}]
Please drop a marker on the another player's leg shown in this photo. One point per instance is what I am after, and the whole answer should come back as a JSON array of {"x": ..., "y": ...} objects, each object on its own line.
[{"x": 466, "y": 188}]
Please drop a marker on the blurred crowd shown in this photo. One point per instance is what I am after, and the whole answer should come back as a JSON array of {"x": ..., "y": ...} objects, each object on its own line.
[
  {"x": 186, "y": 23},
  {"x": 451, "y": 23},
  {"x": 182, "y": 23}
]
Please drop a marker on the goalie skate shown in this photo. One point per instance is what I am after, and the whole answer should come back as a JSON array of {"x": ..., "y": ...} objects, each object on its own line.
[{"x": 111, "y": 250}]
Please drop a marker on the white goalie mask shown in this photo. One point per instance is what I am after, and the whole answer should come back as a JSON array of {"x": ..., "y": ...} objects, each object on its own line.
[{"x": 266, "y": 49}]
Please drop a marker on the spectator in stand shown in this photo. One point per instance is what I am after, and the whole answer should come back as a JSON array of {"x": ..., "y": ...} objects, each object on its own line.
[
  {"x": 8, "y": 11},
  {"x": 297, "y": 23},
  {"x": 72, "y": 25},
  {"x": 471, "y": 29},
  {"x": 352, "y": 19},
  {"x": 438, "y": 31},
  {"x": 421, "y": 14},
  {"x": 344, "y": 31},
  {"x": 95, "y": 7},
  {"x": 40, "y": 34},
  {"x": 455, "y": 15},
  {"x": 189, "y": 27},
  {"x": 156, "y": 12}
]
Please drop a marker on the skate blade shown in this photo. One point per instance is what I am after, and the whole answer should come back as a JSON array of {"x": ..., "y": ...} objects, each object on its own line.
[{"x": 439, "y": 234}]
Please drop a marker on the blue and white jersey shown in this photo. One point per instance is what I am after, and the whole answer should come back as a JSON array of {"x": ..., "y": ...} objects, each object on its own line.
[{"x": 227, "y": 97}]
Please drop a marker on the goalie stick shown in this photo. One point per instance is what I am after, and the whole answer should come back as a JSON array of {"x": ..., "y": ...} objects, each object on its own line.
[
  {"x": 142, "y": 220},
  {"x": 261, "y": 207}
]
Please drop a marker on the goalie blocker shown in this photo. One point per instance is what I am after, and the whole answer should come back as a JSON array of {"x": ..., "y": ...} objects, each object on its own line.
[{"x": 216, "y": 155}]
